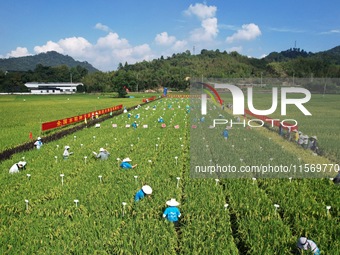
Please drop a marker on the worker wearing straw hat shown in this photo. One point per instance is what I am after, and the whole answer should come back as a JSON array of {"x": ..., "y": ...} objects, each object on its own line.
[
  {"x": 17, "y": 167},
  {"x": 305, "y": 244},
  {"x": 172, "y": 213},
  {"x": 38, "y": 143},
  {"x": 67, "y": 153},
  {"x": 146, "y": 190},
  {"x": 103, "y": 154},
  {"x": 126, "y": 164}
]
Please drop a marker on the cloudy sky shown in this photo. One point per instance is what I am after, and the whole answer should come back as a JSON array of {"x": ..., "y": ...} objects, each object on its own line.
[{"x": 108, "y": 32}]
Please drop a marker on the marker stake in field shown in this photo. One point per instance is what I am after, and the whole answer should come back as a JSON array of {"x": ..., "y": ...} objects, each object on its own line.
[
  {"x": 62, "y": 179},
  {"x": 100, "y": 178},
  {"x": 123, "y": 210},
  {"x": 76, "y": 201},
  {"x": 26, "y": 201},
  {"x": 178, "y": 178}
]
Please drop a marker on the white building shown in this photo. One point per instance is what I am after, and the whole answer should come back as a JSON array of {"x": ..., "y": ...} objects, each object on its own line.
[{"x": 52, "y": 87}]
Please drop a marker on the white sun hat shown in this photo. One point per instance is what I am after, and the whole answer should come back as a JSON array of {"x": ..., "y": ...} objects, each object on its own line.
[
  {"x": 67, "y": 147},
  {"x": 39, "y": 138},
  {"x": 101, "y": 149},
  {"x": 315, "y": 137},
  {"x": 147, "y": 189},
  {"x": 302, "y": 243},
  {"x": 127, "y": 160},
  {"x": 172, "y": 202}
]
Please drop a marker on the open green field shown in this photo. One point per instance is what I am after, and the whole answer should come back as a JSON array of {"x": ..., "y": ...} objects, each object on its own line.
[
  {"x": 219, "y": 215},
  {"x": 324, "y": 122},
  {"x": 22, "y": 114}
]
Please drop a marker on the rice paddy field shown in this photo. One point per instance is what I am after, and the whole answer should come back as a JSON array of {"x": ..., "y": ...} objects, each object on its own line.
[{"x": 86, "y": 206}]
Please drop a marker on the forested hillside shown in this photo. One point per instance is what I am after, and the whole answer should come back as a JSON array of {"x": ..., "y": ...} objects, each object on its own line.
[{"x": 173, "y": 72}]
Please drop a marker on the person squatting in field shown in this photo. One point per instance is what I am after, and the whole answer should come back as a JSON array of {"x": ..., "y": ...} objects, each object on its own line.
[
  {"x": 225, "y": 134},
  {"x": 67, "y": 153},
  {"x": 172, "y": 212},
  {"x": 103, "y": 154},
  {"x": 146, "y": 190},
  {"x": 126, "y": 164},
  {"x": 17, "y": 167},
  {"x": 305, "y": 244},
  {"x": 38, "y": 143}
]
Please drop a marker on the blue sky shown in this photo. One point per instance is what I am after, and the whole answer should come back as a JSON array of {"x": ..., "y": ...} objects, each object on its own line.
[{"x": 108, "y": 32}]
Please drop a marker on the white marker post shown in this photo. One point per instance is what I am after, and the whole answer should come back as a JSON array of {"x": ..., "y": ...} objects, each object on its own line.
[
  {"x": 135, "y": 178},
  {"x": 85, "y": 159},
  {"x": 123, "y": 211},
  {"x": 226, "y": 206},
  {"x": 178, "y": 178},
  {"x": 156, "y": 147},
  {"x": 328, "y": 207},
  {"x": 56, "y": 159},
  {"x": 276, "y": 206},
  {"x": 76, "y": 201},
  {"x": 254, "y": 179},
  {"x": 28, "y": 176},
  {"x": 26, "y": 201},
  {"x": 176, "y": 160},
  {"x": 62, "y": 179},
  {"x": 100, "y": 178},
  {"x": 216, "y": 181}
]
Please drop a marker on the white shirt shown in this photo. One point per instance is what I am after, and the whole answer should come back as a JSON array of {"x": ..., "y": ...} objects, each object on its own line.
[
  {"x": 14, "y": 169},
  {"x": 38, "y": 144}
]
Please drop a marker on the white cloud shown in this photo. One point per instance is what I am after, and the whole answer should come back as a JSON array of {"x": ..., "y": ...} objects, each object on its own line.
[
  {"x": 112, "y": 41},
  {"x": 49, "y": 46},
  {"x": 236, "y": 48},
  {"x": 102, "y": 27},
  {"x": 180, "y": 46},
  {"x": 18, "y": 52},
  {"x": 206, "y": 32},
  {"x": 202, "y": 11},
  {"x": 164, "y": 39},
  {"x": 247, "y": 33}
]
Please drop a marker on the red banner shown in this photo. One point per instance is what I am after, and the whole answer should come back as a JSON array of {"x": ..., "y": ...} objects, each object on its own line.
[
  {"x": 87, "y": 116},
  {"x": 149, "y": 99}
]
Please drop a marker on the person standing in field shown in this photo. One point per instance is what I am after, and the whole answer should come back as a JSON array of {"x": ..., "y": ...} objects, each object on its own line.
[
  {"x": 103, "y": 154},
  {"x": 225, "y": 134},
  {"x": 17, "y": 167},
  {"x": 38, "y": 143},
  {"x": 172, "y": 213},
  {"x": 305, "y": 244},
  {"x": 146, "y": 190}
]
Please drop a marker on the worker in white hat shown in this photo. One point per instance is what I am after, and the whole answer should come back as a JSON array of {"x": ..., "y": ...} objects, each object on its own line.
[
  {"x": 67, "y": 153},
  {"x": 103, "y": 154},
  {"x": 305, "y": 244},
  {"x": 17, "y": 167},
  {"x": 38, "y": 143},
  {"x": 172, "y": 213},
  {"x": 126, "y": 164},
  {"x": 146, "y": 190}
]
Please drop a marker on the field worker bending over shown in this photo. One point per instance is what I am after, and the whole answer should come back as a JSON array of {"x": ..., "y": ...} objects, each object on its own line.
[
  {"x": 67, "y": 153},
  {"x": 172, "y": 213},
  {"x": 336, "y": 179},
  {"x": 17, "y": 167},
  {"x": 126, "y": 165},
  {"x": 305, "y": 244},
  {"x": 134, "y": 125},
  {"x": 146, "y": 190},
  {"x": 103, "y": 154},
  {"x": 160, "y": 120},
  {"x": 225, "y": 134},
  {"x": 38, "y": 143}
]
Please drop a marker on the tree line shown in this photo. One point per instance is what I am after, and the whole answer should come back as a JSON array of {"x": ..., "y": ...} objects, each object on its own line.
[{"x": 173, "y": 71}]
